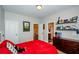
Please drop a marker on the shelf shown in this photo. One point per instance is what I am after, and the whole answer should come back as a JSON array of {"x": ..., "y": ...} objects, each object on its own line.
[
  {"x": 66, "y": 23},
  {"x": 66, "y": 29}
]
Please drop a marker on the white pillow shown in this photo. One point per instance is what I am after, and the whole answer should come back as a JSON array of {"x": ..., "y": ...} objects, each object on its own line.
[{"x": 11, "y": 48}]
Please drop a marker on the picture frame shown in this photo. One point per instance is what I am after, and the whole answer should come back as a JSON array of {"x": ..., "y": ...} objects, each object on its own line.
[{"x": 26, "y": 26}]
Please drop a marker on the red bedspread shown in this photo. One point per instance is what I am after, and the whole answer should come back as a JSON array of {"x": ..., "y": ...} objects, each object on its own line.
[{"x": 33, "y": 47}]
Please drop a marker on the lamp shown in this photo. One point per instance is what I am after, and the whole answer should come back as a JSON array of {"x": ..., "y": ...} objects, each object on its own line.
[{"x": 39, "y": 7}]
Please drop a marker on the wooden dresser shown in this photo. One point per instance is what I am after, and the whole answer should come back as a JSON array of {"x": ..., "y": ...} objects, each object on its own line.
[{"x": 66, "y": 45}]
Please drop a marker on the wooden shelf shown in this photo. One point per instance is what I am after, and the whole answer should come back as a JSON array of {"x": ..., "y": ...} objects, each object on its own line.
[
  {"x": 66, "y": 23},
  {"x": 66, "y": 29}
]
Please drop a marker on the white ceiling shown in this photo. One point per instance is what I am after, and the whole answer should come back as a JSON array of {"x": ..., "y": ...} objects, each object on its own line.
[{"x": 30, "y": 10}]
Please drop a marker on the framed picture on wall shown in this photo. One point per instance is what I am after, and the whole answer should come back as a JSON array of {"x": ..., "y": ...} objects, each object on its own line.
[{"x": 26, "y": 26}]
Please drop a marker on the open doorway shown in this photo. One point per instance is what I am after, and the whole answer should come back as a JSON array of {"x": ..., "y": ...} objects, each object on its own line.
[
  {"x": 35, "y": 37},
  {"x": 43, "y": 31},
  {"x": 50, "y": 32}
]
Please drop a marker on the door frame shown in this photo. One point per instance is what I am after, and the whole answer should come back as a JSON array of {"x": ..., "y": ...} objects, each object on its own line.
[
  {"x": 34, "y": 32},
  {"x": 52, "y": 35}
]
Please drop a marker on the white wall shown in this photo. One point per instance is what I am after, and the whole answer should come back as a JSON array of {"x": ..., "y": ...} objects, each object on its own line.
[
  {"x": 2, "y": 23},
  {"x": 40, "y": 31},
  {"x": 66, "y": 13},
  {"x": 25, "y": 36},
  {"x": 22, "y": 36}
]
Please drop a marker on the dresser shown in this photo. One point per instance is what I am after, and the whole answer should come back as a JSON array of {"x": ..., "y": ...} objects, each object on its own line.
[{"x": 69, "y": 46}]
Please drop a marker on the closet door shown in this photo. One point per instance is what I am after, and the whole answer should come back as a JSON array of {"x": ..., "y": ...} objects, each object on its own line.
[{"x": 11, "y": 30}]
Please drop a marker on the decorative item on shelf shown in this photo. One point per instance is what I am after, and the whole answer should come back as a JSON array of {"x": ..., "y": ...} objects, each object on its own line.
[
  {"x": 74, "y": 19},
  {"x": 62, "y": 20},
  {"x": 59, "y": 28},
  {"x": 71, "y": 20},
  {"x": 67, "y": 27},
  {"x": 70, "y": 28},
  {"x": 66, "y": 21},
  {"x": 77, "y": 31},
  {"x": 74, "y": 27},
  {"x": 58, "y": 20},
  {"x": 62, "y": 27}
]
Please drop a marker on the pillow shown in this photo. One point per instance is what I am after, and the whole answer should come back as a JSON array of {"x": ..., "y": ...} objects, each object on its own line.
[{"x": 11, "y": 48}]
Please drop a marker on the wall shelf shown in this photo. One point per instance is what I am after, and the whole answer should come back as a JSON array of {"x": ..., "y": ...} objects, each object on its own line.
[
  {"x": 66, "y": 21},
  {"x": 67, "y": 29},
  {"x": 72, "y": 20}
]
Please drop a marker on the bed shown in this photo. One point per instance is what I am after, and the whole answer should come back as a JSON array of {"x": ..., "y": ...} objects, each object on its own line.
[{"x": 30, "y": 47}]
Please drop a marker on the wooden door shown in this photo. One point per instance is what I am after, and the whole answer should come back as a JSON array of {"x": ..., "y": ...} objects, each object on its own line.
[
  {"x": 50, "y": 32},
  {"x": 35, "y": 31}
]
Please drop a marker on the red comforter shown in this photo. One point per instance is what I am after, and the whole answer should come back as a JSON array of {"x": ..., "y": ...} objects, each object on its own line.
[{"x": 31, "y": 47}]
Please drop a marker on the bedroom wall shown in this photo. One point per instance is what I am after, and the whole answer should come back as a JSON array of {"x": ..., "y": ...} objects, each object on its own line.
[
  {"x": 18, "y": 19},
  {"x": 2, "y": 23},
  {"x": 26, "y": 36},
  {"x": 66, "y": 13}
]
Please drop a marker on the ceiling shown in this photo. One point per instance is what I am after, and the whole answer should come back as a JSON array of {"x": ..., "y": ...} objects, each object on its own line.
[{"x": 30, "y": 10}]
